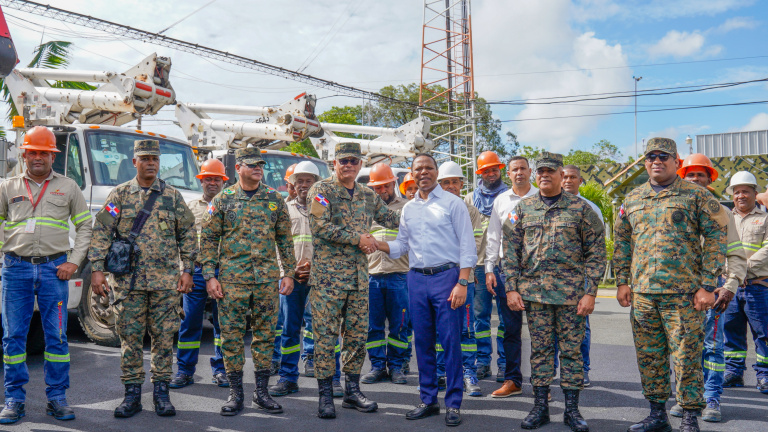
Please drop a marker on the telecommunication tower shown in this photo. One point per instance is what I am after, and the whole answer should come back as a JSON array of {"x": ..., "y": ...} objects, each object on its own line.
[{"x": 447, "y": 79}]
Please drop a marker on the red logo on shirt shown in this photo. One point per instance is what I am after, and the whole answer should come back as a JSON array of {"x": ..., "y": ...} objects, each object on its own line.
[{"x": 57, "y": 192}]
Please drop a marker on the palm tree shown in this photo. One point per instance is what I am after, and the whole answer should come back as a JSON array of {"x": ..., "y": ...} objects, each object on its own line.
[{"x": 49, "y": 55}]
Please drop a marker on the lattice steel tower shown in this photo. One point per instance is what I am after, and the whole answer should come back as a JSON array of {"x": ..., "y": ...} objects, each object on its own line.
[{"x": 447, "y": 80}]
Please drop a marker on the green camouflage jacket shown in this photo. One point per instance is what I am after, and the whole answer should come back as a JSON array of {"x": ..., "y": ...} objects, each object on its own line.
[
  {"x": 337, "y": 220},
  {"x": 554, "y": 255},
  {"x": 248, "y": 230},
  {"x": 673, "y": 241},
  {"x": 168, "y": 236}
]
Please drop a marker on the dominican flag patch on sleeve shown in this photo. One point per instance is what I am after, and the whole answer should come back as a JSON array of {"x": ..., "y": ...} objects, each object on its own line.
[
  {"x": 211, "y": 208},
  {"x": 112, "y": 209},
  {"x": 321, "y": 199},
  {"x": 512, "y": 216},
  {"x": 621, "y": 211}
]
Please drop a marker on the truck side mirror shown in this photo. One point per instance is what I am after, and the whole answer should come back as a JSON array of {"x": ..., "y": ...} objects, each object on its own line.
[{"x": 229, "y": 168}]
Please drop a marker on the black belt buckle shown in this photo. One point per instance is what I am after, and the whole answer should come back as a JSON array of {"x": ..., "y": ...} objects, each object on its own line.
[
  {"x": 36, "y": 260},
  {"x": 429, "y": 271}
]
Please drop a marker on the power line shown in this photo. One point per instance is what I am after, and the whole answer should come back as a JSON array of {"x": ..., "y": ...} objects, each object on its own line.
[
  {"x": 632, "y": 112},
  {"x": 186, "y": 16}
]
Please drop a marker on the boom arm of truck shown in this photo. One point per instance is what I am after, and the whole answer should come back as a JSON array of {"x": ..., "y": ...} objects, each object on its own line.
[{"x": 120, "y": 98}]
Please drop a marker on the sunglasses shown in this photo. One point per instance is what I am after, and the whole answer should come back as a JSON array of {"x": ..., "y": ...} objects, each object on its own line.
[
  {"x": 350, "y": 161},
  {"x": 254, "y": 166},
  {"x": 651, "y": 157}
]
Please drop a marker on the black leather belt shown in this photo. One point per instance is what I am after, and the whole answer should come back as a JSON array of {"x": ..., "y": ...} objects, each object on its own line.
[
  {"x": 38, "y": 259},
  {"x": 435, "y": 270}
]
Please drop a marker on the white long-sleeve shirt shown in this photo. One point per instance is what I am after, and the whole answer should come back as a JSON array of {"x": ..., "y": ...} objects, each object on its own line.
[
  {"x": 502, "y": 207},
  {"x": 435, "y": 231}
]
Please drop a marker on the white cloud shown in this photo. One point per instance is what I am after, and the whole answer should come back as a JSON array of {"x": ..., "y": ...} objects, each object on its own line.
[
  {"x": 758, "y": 122},
  {"x": 678, "y": 44},
  {"x": 736, "y": 23}
]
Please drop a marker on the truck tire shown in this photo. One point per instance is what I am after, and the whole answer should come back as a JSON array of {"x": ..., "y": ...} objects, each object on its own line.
[{"x": 96, "y": 315}]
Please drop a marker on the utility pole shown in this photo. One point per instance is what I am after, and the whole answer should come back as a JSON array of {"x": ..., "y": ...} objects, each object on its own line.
[{"x": 636, "y": 80}]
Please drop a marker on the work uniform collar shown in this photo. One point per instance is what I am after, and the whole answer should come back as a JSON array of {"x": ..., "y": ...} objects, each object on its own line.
[
  {"x": 671, "y": 190},
  {"x": 261, "y": 192},
  {"x": 135, "y": 187},
  {"x": 755, "y": 210},
  {"x": 51, "y": 175},
  {"x": 342, "y": 190}
]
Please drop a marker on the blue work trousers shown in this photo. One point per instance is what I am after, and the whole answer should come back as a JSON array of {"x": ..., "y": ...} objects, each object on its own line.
[
  {"x": 749, "y": 306},
  {"x": 712, "y": 359},
  {"x": 483, "y": 304},
  {"x": 468, "y": 342},
  {"x": 430, "y": 310},
  {"x": 276, "y": 354},
  {"x": 294, "y": 309},
  {"x": 388, "y": 305},
  {"x": 191, "y": 328},
  {"x": 22, "y": 282}
]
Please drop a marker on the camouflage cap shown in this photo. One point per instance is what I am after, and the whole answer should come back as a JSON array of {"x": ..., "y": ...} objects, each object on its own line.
[
  {"x": 249, "y": 156},
  {"x": 146, "y": 147},
  {"x": 348, "y": 149},
  {"x": 665, "y": 145},
  {"x": 549, "y": 160}
]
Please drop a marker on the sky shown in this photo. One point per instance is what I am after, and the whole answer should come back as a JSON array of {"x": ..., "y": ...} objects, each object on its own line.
[{"x": 523, "y": 51}]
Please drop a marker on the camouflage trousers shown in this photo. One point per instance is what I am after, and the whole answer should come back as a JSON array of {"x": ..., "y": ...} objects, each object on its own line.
[
  {"x": 664, "y": 325},
  {"x": 156, "y": 312},
  {"x": 544, "y": 322},
  {"x": 336, "y": 310},
  {"x": 261, "y": 300}
]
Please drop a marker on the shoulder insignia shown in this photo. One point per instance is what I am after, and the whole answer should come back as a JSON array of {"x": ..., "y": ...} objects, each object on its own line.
[
  {"x": 112, "y": 209},
  {"x": 211, "y": 208},
  {"x": 621, "y": 211},
  {"x": 228, "y": 191},
  {"x": 713, "y": 206},
  {"x": 319, "y": 205},
  {"x": 717, "y": 213},
  {"x": 512, "y": 216},
  {"x": 273, "y": 206}
]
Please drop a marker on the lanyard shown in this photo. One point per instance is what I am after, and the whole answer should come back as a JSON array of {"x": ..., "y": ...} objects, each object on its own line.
[{"x": 29, "y": 192}]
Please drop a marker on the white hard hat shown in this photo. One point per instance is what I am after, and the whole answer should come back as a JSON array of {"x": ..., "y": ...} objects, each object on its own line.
[
  {"x": 449, "y": 169},
  {"x": 304, "y": 167},
  {"x": 741, "y": 178}
]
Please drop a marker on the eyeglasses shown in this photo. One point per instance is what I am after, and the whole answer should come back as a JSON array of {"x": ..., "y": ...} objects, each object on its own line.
[
  {"x": 651, "y": 157},
  {"x": 350, "y": 161},
  {"x": 254, "y": 166}
]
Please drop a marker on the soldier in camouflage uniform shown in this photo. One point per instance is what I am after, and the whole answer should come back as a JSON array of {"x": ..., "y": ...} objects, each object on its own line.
[
  {"x": 553, "y": 243},
  {"x": 340, "y": 217},
  {"x": 149, "y": 298},
  {"x": 670, "y": 243},
  {"x": 244, "y": 225}
]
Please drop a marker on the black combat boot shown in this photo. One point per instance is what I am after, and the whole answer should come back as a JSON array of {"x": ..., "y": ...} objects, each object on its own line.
[
  {"x": 235, "y": 401},
  {"x": 325, "y": 408},
  {"x": 539, "y": 415},
  {"x": 162, "y": 400},
  {"x": 354, "y": 398},
  {"x": 657, "y": 421},
  {"x": 689, "y": 423},
  {"x": 261, "y": 396},
  {"x": 572, "y": 417},
  {"x": 131, "y": 403}
]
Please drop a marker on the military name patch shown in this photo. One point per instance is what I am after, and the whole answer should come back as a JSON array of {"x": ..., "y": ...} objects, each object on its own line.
[
  {"x": 272, "y": 206},
  {"x": 677, "y": 216}
]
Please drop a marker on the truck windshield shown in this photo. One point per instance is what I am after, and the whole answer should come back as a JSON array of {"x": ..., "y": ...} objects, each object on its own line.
[
  {"x": 111, "y": 152},
  {"x": 278, "y": 163}
]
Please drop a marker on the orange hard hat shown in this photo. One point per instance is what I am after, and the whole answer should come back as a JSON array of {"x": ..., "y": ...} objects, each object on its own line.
[
  {"x": 404, "y": 185},
  {"x": 488, "y": 159},
  {"x": 212, "y": 167},
  {"x": 40, "y": 138},
  {"x": 289, "y": 171},
  {"x": 381, "y": 173},
  {"x": 698, "y": 160}
]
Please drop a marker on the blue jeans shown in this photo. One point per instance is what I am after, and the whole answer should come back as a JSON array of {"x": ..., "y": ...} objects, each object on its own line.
[
  {"x": 430, "y": 311},
  {"x": 483, "y": 304},
  {"x": 22, "y": 282},
  {"x": 309, "y": 338},
  {"x": 388, "y": 304},
  {"x": 713, "y": 360},
  {"x": 468, "y": 342},
  {"x": 191, "y": 329},
  {"x": 750, "y": 306}
]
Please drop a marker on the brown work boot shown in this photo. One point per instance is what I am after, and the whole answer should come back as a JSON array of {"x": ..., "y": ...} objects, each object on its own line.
[{"x": 509, "y": 388}]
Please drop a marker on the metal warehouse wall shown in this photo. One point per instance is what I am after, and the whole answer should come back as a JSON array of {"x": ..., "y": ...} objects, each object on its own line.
[{"x": 733, "y": 144}]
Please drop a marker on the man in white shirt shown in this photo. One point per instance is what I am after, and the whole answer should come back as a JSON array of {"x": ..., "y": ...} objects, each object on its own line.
[
  {"x": 519, "y": 172},
  {"x": 571, "y": 182}
]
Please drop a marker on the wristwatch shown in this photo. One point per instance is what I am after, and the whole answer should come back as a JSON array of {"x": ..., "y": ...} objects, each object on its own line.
[
  {"x": 463, "y": 282},
  {"x": 708, "y": 288},
  {"x": 188, "y": 271},
  {"x": 208, "y": 276}
]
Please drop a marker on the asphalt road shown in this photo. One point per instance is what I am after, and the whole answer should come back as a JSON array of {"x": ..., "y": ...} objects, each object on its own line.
[{"x": 612, "y": 403}]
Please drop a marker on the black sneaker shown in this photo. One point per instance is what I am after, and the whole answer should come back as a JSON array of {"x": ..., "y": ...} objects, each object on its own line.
[
  {"x": 12, "y": 412},
  {"x": 397, "y": 376},
  {"x": 309, "y": 366},
  {"x": 59, "y": 409},
  {"x": 483, "y": 371},
  {"x": 500, "y": 374},
  {"x": 587, "y": 382},
  {"x": 283, "y": 388},
  {"x": 220, "y": 379},
  {"x": 181, "y": 380},
  {"x": 733, "y": 380},
  {"x": 762, "y": 385},
  {"x": 374, "y": 376}
]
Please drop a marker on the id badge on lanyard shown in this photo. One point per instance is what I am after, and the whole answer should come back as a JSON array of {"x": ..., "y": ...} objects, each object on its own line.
[{"x": 31, "y": 222}]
